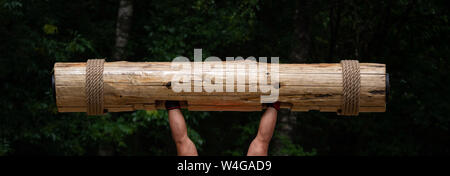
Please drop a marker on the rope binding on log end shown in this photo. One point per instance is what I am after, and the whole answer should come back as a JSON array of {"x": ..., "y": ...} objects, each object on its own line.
[
  {"x": 94, "y": 86},
  {"x": 351, "y": 82}
]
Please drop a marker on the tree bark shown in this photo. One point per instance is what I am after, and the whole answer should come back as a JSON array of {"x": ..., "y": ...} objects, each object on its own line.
[{"x": 123, "y": 24}]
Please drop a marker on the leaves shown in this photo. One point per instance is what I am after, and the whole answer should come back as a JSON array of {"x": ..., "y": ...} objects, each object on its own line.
[
  {"x": 50, "y": 29},
  {"x": 411, "y": 37}
]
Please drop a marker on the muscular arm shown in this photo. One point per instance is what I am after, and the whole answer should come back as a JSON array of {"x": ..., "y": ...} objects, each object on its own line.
[
  {"x": 185, "y": 147},
  {"x": 260, "y": 144}
]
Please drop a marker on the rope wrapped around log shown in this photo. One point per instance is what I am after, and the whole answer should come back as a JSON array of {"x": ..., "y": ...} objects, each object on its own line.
[{"x": 94, "y": 86}]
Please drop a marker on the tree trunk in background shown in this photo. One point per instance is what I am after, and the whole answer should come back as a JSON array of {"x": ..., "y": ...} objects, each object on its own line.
[
  {"x": 122, "y": 28},
  {"x": 299, "y": 54},
  {"x": 335, "y": 21},
  {"x": 124, "y": 14},
  {"x": 106, "y": 150},
  {"x": 302, "y": 41}
]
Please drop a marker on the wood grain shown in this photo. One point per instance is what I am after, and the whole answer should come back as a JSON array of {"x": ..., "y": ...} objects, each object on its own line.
[{"x": 130, "y": 86}]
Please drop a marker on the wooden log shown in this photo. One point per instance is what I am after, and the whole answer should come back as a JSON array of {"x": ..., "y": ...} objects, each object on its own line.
[{"x": 130, "y": 86}]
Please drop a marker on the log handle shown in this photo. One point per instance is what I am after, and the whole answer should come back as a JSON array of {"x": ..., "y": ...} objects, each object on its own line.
[
  {"x": 94, "y": 87},
  {"x": 351, "y": 92}
]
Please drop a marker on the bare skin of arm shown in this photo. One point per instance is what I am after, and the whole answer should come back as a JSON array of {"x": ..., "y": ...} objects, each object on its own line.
[
  {"x": 185, "y": 147},
  {"x": 260, "y": 145}
]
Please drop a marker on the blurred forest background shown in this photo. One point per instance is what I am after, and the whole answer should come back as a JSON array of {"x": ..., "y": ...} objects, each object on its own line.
[{"x": 411, "y": 37}]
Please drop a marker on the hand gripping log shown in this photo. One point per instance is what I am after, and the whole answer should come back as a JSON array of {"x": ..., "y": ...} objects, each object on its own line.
[{"x": 97, "y": 87}]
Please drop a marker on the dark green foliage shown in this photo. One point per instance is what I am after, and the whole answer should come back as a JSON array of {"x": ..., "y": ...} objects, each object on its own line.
[{"x": 411, "y": 37}]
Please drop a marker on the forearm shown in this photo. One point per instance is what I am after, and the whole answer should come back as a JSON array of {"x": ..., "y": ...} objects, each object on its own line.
[
  {"x": 185, "y": 147},
  {"x": 267, "y": 125},
  {"x": 177, "y": 125},
  {"x": 260, "y": 145}
]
